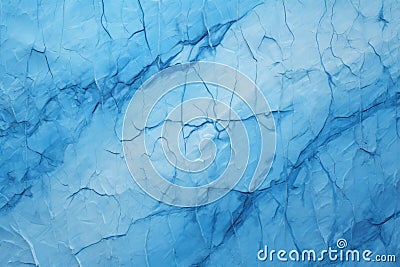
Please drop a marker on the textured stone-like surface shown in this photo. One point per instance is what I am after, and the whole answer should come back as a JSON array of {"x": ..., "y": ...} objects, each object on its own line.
[{"x": 330, "y": 71}]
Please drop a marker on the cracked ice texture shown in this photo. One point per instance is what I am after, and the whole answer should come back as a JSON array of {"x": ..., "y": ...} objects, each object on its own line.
[{"x": 330, "y": 71}]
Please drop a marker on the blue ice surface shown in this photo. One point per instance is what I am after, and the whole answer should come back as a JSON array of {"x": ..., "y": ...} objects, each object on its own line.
[{"x": 329, "y": 69}]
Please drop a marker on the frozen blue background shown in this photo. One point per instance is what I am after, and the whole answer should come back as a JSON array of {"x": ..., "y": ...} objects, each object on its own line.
[{"x": 330, "y": 71}]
